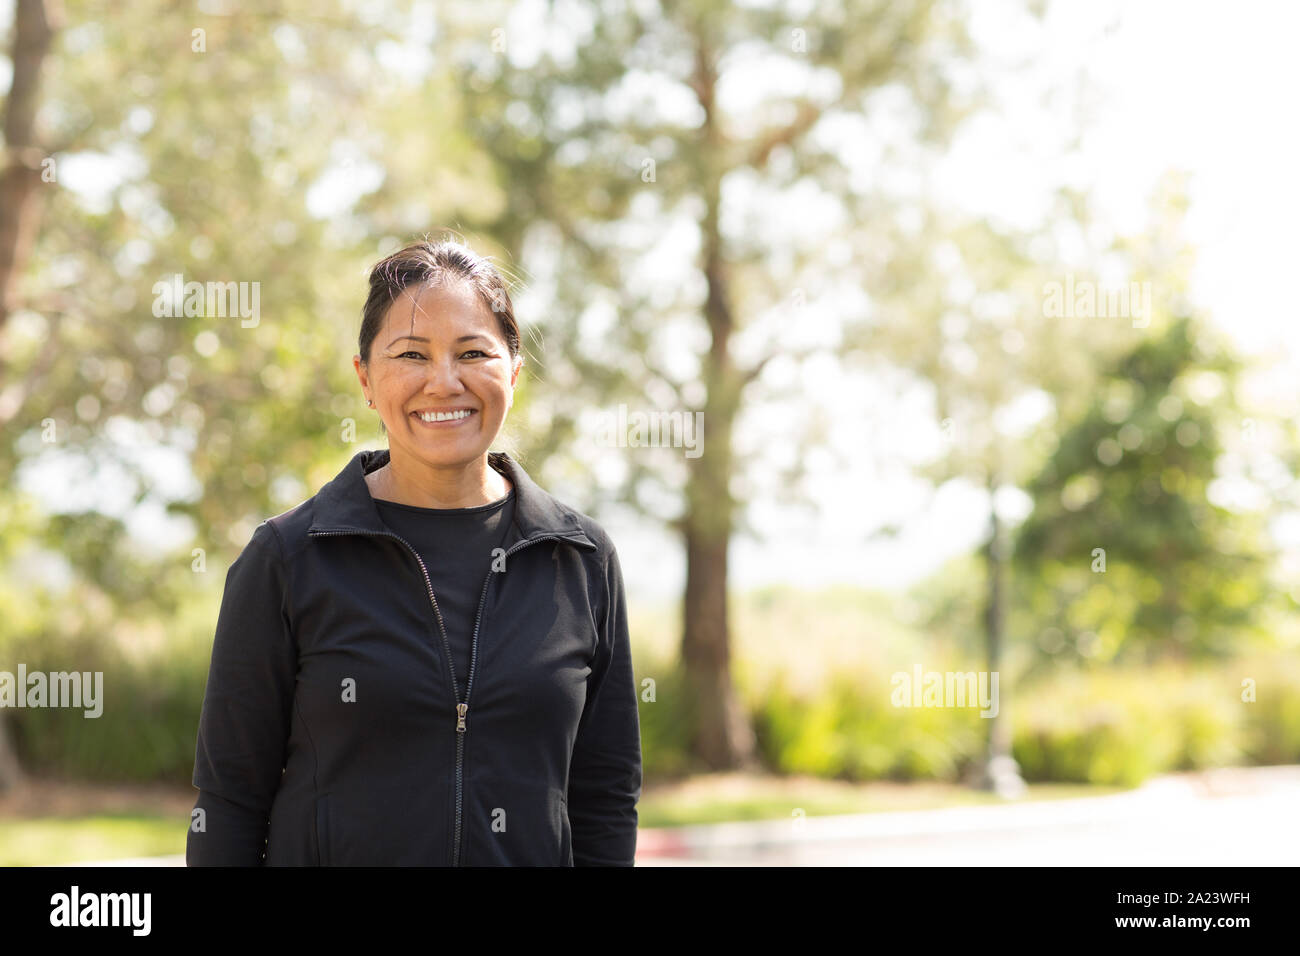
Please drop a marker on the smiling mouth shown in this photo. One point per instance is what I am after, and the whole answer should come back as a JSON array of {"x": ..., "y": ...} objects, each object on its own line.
[{"x": 443, "y": 418}]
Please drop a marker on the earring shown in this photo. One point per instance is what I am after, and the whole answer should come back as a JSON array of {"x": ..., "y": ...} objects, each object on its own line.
[{"x": 370, "y": 403}]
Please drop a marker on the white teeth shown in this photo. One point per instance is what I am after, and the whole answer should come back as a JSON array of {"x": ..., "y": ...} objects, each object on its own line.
[{"x": 444, "y": 416}]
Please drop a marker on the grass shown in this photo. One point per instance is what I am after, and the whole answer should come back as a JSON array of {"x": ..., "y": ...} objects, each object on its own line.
[{"x": 55, "y": 841}]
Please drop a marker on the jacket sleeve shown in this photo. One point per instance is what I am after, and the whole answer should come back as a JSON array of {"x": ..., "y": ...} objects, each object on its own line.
[
  {"x": 244, "y": 723},
  {"x": 605, "y": 773}
]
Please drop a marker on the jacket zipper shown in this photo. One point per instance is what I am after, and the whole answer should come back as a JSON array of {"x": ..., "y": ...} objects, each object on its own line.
[{"x": 462, "y": 707}]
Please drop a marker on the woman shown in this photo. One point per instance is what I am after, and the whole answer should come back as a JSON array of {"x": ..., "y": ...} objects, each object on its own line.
[{"x": 427, "y": 662}]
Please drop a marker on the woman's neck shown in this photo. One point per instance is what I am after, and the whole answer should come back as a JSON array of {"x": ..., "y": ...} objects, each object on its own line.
[{"x": 438, "y": 488}]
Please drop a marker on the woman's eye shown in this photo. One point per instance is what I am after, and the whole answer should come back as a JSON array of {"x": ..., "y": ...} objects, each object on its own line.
[{"x": 421, "y": 355}]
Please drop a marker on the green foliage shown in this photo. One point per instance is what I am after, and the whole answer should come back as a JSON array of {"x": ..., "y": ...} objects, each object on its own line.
[
  {"x": 1272, "y": 731},
  {"x": 665, "y": 721},
  {"x": 1124, "y": 552},
  {"x": 947, "y": 606},
  {"x": 1115, "y": 725},
  {"x": 1123, "y": 726},
  {"x": 98, "y": 548},
  {"x": 150, "y": 711},
  {"x": 851, "y": 731}
]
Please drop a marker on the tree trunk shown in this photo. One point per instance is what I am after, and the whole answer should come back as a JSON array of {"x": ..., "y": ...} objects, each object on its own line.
[
  {"x": 722, "y": 738},
  {"x": 20, "y": 197},
  {"x": 11, "y": 771},
  {"x": 20, "y": 181}
]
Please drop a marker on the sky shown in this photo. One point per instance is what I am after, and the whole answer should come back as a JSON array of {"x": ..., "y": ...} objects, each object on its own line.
[{"x": 1205, "y": 88}]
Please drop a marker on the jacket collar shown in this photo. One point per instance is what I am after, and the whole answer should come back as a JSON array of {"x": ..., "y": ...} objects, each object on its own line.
[{"x": 345, "y": 503}]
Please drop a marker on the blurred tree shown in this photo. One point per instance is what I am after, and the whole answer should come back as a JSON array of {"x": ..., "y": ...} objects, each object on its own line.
[
  {"x": 1073, "y": 404},
  {"x": 287, "y": 150},
  {"x": 35, "y": 24},
  {"x": 1127, "y": 552},
  {"x": 654, "y": 161},
  {"x": 221, "y": 154},
  {"x": 967, "y": 315}
]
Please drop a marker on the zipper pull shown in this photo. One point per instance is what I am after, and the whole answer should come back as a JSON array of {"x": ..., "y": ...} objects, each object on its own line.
[{"x": 461, "y": 711}]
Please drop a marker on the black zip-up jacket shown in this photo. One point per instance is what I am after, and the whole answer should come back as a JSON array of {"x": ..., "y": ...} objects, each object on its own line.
[{"x": 331, "y": 731}]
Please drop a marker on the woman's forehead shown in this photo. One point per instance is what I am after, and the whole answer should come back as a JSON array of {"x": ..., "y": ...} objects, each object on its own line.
[{"x": 438, "y": 310}]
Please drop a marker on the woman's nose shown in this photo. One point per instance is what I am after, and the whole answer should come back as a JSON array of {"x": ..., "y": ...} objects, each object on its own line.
[{"x": 443, "y": 376}]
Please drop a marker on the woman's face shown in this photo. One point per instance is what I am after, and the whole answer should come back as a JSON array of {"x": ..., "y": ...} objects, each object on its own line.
[{"x": 449, "y": 357}]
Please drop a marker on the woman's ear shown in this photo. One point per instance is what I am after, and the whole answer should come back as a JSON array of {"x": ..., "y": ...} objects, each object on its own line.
[{"x": 362, "y": 377}]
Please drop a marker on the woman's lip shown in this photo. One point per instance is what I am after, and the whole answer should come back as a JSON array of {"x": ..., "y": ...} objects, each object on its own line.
[{"x": 445, "y": 423}]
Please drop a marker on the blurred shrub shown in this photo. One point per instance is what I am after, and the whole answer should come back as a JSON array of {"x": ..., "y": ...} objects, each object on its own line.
[
  {"x": 1109, "y": 725},
  {"x": 852, "y": 731},
  {"x": 1120, "y": 727},
  {"x": 1272, "y": 731},
  {"x": 150, "y": 714},
  {"x": 664, "y": 722}
]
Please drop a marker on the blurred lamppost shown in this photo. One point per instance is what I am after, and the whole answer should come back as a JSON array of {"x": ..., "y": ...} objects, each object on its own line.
[{"x": 998, "y": 770}]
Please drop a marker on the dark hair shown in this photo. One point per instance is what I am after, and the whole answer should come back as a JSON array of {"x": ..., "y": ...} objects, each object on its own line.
[{"x": 435, "y": 263}]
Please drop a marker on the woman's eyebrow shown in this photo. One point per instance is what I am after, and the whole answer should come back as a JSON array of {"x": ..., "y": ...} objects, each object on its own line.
[{"x": 420, "y": 338}]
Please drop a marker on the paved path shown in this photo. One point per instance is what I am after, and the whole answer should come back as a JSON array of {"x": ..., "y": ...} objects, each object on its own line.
[
  {"x": 1248, "y": 817},
  {"x": 1232, "y": 817}
]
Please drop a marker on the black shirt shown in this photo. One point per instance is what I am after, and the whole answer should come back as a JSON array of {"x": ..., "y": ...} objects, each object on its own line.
[
  {"x": 456, "y": 545},
  {"x": 327, "y": 731}
]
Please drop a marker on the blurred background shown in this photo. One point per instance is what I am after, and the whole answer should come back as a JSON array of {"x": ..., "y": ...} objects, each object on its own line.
[{"x": 983, "y": 312}]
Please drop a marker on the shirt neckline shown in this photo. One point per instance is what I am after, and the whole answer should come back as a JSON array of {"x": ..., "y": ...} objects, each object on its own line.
[{"x": 491, "y": 505}]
